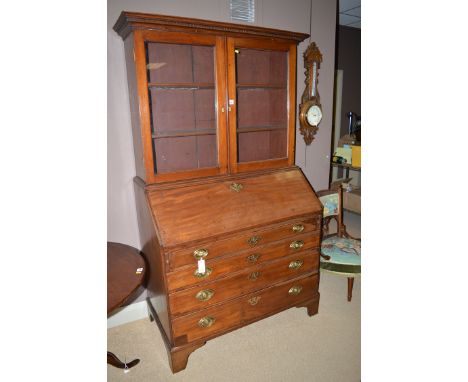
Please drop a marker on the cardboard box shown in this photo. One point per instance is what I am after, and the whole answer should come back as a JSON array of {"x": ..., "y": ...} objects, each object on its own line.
[
  {"x": 352, "y": 201},
  {"x": 356, "y": 156}
]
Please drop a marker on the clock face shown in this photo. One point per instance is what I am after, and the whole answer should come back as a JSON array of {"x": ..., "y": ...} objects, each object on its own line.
[{"x": 314, "y": 115}]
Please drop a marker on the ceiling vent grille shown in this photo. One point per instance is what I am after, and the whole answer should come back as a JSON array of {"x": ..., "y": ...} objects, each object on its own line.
[{"x": 242, "y": 10}]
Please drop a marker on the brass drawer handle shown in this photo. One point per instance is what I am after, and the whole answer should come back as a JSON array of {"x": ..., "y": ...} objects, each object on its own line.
[
  {"x": 296, "y": 264},
  {"x": 202, "y": 275},
  {"x": 298, "y": 228},
  {"x": 206, "y": 322},
  {"x": 200, "y": 253},
  {"x": 254, "y": 300},
  {"x": 253, "y": 241},
  {"x": 298, "y": 244},
  {"x": 204, "y": 295},
  {"x": 295, "y": 290},
  {"x": 253, "y": 258},
  {"x": 254, "y": 275},
  {"x": 237, "y": 187}
]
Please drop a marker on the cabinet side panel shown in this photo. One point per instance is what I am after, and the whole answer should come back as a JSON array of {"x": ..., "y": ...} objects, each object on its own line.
[
  {"x": 292, "y": 104},
  {"x": 134, "y": 109},
  {"x": 156, "y": 285}
]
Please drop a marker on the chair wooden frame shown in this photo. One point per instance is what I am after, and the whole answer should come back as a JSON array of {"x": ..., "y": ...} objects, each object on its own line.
[{"x": 341, "y": 229}]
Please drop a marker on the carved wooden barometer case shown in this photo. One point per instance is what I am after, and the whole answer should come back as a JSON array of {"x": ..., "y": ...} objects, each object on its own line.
[
  {"x": 310, "y": 109},
  {"x": 229, "y": 226}
]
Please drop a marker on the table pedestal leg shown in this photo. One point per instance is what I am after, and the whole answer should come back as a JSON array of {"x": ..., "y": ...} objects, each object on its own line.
[{"x": 114, "y": 361}]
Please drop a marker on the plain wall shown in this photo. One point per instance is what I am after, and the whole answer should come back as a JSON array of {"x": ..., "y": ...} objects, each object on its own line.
[
  {"x": 292, "y": 15},
  {"x": 348, "y": 59},
  {"x": 315, "y": 158}
]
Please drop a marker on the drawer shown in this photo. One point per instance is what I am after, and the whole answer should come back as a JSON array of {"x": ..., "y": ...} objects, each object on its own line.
[
  {"x": 221, "y": 318},
  {"x": 283, "y": 295},
  {"x": 203, "y": 324},
  {"x": 244, "y": 241},
  {"x": 184, "y": 277},
  {"x": 251, "y": 279}
]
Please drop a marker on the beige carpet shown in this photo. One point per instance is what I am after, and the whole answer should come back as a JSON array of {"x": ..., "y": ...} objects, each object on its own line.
[{"x": 290, "y": 346}]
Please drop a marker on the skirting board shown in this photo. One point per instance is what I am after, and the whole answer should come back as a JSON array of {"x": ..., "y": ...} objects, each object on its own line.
[{"x": 129, "y": 313}]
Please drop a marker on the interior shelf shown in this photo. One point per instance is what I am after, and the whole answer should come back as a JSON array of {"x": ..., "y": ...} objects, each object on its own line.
[
  {"x": 260, "y": 86},
  {"x": 346, "y": 166},
  {"x": 183, "y": 133},
  {"x": 248, "y": 129},
  {"x": 185, "y": 85}
]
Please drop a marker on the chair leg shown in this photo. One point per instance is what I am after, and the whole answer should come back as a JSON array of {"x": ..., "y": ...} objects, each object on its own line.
[{"x": 350, "y": 287}]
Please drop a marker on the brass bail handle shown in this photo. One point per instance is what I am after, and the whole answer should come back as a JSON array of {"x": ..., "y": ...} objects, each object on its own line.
[
  {"x": 199, "y": 275},
  {"x": 253, "y": 241},
  {"x": 253, "y": 258},
  {"x": 298, "y": 228},
  {"x": 206, "y": 322},
  {"x": 295, "y": 290},
  {"x": 298, "y": 244},
  {"x": 200, "y": 253},
  {"x": 205, "y": 295},
  {"x": 296, "y": 264}
]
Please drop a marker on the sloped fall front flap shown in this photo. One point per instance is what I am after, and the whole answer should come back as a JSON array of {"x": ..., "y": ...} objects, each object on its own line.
[{"x": 193, "y": 212}]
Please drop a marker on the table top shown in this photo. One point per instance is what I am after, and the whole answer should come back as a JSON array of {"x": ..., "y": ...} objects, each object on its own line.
[
  {"x": 125, "y": 273},
  {"x": 345, "y": 165}
]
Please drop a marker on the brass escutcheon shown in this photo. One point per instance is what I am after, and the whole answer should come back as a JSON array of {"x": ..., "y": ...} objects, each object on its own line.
[
  {"x": 295, "y": 290},
  {"x": 253, "y": 258},
  {"x": 298, "y": 228},
  {"x": 237, "y": 187},
  {"x": 206, "y": 322},
  {"x": 253, "y": 241},
  {"x": 254, "y": 300},
  {"x": 204, "y": 295},
  {"x": 298, "y": 244},
  {"x": 200, "y": 253},
  {"x": 202, "y": 275},
  {"x": 254, "y": 275},
  {"x": 296, "y": 264}
]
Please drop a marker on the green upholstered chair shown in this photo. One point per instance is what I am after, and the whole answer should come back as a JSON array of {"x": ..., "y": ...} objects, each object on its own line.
[{"x": 340, "y": 253}]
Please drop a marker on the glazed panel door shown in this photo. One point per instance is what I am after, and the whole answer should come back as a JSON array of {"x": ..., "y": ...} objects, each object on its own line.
[
  {"x": 261, "y": 104},
  {"x": 184, "y": 87}
]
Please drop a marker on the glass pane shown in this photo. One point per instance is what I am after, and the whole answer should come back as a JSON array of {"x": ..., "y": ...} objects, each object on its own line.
[
  {"x": 182, "y": 99},
  {"x": 262, "y": 110}
]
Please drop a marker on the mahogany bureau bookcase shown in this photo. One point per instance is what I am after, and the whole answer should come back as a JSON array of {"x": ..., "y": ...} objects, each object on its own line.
[{"x": 229, "y": 226}]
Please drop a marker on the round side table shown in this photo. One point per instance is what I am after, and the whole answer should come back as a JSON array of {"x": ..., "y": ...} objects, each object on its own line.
[{"x": 125, "y": 274}]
